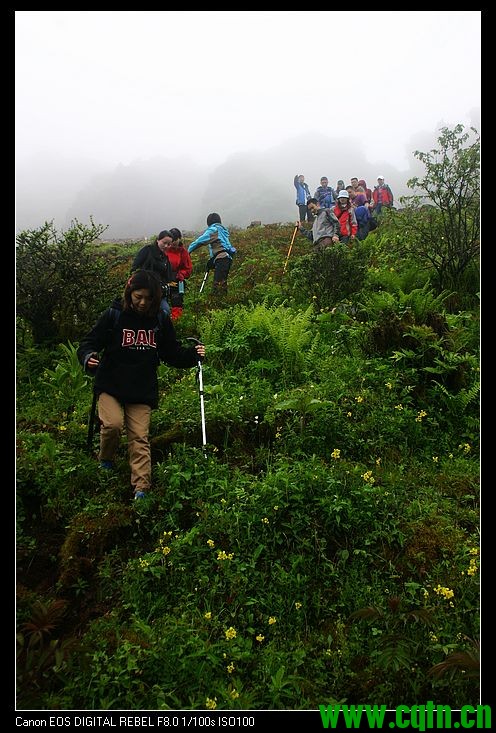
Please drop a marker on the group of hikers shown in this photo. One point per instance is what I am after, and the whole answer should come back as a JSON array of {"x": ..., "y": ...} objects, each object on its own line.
[
  {"x": 341, "y": 214},
  {"x": 126, "y": 345},
  {"x": 169, "y": 259}
]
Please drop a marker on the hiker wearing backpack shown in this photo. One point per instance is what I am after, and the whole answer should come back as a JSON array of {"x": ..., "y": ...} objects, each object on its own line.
[
  {"x": 325, "y": 227},
  {"x": 324, "y": 194},
  {"x": 182, "y": 267},
  {"x": 381, "y": 196},
  {"x": 363, "y": 217},
  {"x": 153, "y": 257},
  {"x": 220, "y": 250},
  {"x": 345, "y": 213},
  {"x": 134, "y": 336}
]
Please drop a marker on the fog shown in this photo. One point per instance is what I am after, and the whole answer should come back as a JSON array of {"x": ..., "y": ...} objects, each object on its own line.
[{"x": 146, "y": 120}]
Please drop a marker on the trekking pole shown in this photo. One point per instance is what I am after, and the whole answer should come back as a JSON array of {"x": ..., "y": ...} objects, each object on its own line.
[
  {"x": 210, "y": 266},
  {"x": 204, "y": 280},
  {"x": 91, "y": 424},
  {"x": 202, "y": 403},
  {"x": 290, "y": 248}
]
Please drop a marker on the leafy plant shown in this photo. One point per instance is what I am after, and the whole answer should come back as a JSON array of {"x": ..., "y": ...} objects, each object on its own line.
[
  {"x": 67, "y": 381},
  {"x": 59, "y": 280},
  {"x": 443, "y": 218}
]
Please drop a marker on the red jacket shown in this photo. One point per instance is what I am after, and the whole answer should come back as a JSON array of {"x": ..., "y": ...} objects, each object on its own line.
[
  {"x": 180, "y": 261},
  {"x": 383, "y": 195},
  {"x": 347, "y": 220}
]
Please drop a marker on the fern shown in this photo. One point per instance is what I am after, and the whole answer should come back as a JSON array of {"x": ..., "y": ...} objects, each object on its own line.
[
  {"x": 459, "y": 402},
  {"x": 277, "y": 334},
  {"x": 422, "y": 301}
]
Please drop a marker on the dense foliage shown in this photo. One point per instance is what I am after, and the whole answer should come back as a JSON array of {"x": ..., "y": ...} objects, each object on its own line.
[
  {"x": 326, "y": 549},
  {"x": 60, "y": 282},
  {"x": 440, "y": 224}
]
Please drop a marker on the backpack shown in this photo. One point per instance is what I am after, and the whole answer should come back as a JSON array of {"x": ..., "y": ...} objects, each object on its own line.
[{"x": 372, "y": 223}]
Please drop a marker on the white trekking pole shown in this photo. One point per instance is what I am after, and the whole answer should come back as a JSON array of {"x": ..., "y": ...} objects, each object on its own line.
[
  {"x": 204, "y": 281},
  {"x": 202, "y": 403},
  {"x": 210, "y": 266}
]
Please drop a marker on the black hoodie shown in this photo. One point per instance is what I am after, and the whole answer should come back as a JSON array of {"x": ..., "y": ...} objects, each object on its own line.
[{"x": 132, "y": 350}]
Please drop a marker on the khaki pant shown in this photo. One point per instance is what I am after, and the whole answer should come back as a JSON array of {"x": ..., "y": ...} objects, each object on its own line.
[{"x": 136, "y": 418}]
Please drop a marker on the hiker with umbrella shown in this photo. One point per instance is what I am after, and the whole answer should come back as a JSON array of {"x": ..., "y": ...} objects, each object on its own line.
[{"x": 126, "y": 380}]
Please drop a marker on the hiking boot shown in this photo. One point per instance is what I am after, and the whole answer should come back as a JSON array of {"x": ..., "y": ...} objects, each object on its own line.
[
  {"x": 139, "y": 495},
  {"x": 107, "y": 465}
]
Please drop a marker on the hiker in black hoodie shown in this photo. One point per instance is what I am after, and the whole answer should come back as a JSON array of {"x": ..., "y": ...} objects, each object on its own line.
[
  {"x": 134, "y": 338},
  {"x": 153, "y": 257}
]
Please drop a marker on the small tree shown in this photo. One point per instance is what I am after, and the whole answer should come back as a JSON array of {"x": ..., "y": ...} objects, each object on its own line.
[
  {"x": 441, "y": 220},
  {"x": 59, "y": 280}
]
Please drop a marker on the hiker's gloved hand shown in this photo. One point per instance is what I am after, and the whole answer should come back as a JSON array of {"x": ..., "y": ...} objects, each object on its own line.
[{"x": 210, "y": 264}]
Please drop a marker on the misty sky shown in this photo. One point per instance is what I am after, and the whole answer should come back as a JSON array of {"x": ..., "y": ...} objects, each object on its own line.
[
  {"x": 117, "y": 86},
  {"x": 147, "y": 118}
]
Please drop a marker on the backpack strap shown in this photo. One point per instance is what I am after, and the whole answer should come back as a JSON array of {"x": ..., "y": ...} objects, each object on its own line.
[{"x": 115, "y": 314}]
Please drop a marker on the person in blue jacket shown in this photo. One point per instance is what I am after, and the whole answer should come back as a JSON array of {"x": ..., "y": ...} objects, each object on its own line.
[
  {"x": 220, "y": 250},
  {"x": 302, "y": 196}
]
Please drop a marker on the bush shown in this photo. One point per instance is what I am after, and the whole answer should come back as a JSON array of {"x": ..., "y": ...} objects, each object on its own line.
[{"x": 59, "y": 281}]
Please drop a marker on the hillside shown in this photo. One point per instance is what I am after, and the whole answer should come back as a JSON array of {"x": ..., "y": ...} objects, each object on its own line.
[{"x": 326, "y": 546}]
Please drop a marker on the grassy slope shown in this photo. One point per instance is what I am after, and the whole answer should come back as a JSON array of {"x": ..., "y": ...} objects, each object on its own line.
[{"x": 313, "y": 538}]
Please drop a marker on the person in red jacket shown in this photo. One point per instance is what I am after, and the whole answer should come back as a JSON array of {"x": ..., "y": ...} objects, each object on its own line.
[
  {"x": 345, "y": 214},
  {"x": 381, "y": 196},
  {"x": 182, "y": 267}
]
